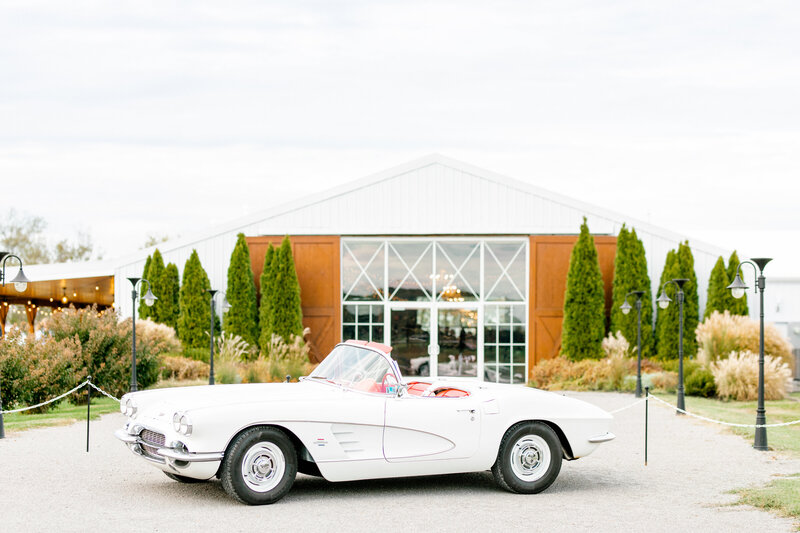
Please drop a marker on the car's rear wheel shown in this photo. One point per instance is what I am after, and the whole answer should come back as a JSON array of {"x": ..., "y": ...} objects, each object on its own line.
[
  {"x": 529, "y": 458},
  {"x": 183, "y": 479},
  {"x": 260, "y": 466}
]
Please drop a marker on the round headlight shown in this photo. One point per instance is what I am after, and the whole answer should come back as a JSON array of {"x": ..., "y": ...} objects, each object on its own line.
[
  {"x": 176, "y": 421},
  {"x": 123, "y": 405},
  {"x": 186, "y": 425},
  {"x": 133, "y": 407}
]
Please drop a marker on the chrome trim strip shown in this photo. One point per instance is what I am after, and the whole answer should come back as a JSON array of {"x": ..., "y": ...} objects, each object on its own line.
[
  {"x": 122, "y": 435},
  {"x": 602, "y": 438},
  {"x": 189, "y": 457}
]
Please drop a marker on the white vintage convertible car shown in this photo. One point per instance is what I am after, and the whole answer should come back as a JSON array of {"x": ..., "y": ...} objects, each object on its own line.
[{"x": 355, "y": 418}]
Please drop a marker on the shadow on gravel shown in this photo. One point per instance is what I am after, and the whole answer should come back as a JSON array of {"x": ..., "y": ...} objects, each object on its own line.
[{"x": 309, "y": 489}]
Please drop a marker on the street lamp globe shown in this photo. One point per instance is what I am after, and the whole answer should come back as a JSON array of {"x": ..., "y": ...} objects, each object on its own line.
[
  {"x": 625, "y": 307},
  {"x": 663, "y": 300},
  {"x": 20, "y": 281},
  {"x": 150, "y": 298},
  {"x": 738, "y": 287}
]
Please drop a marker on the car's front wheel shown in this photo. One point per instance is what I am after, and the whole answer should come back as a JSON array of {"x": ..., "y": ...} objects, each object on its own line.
[
  {"x": 260, "y": 466},
  {"x": 529, "y": 459}
]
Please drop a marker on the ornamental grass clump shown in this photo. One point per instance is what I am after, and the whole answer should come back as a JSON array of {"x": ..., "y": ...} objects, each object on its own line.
[
  {"x": 182, "y": 368},
  {"x": 287, "y": 358},
  {"x": 723, "y": 333},
  {"x": 737, "y": 377}
]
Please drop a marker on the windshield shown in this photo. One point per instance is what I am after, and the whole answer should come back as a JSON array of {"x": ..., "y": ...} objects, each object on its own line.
[{"x": 357, "y": 368}]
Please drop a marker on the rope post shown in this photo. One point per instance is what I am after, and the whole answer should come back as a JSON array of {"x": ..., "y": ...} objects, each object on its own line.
[
  {"x": 646, "y": 416},
  {"x": 88, "y": 408}
]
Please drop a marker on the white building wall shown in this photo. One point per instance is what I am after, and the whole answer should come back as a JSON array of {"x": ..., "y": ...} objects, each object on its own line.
[{"x": 434, "y": 195}]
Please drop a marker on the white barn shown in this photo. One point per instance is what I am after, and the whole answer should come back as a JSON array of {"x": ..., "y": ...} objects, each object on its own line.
[{"x": 464, "y": 228}]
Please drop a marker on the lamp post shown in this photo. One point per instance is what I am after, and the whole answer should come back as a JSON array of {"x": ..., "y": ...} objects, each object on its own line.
[
  {"x": 626, "y": 308},
  {"x": 225, "y": 307},
  {"x": 20, "y": 282},
  {"x": 738, "y": 287},
  {"x": 149, "y": 300},
  {"x": 663, "y": 303}
]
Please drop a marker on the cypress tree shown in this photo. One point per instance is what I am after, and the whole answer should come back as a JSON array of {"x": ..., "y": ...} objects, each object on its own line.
[
  {"x": 667, "y": 319},
  {"x": 265, "y": 305},
  {"x": 242, "y": 318},
  {"x": 195, "y": 313},
  {"x": 287, "y": 313},
  {"x": 584, "y": 322},
  {"x": 737, "y": 306},
  {"x": 691, "y": 305},
  {"x": 717, "y": 297},
  {"x": 144, "y": 310},
  {"x": 156, "y": 277},
  {"x": 171, "y": 287},
  {"x": 630, "y": 274},
  {"x": 679, "y": 264}
]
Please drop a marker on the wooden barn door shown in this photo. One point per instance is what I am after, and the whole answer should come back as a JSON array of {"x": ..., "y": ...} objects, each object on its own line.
[
  {"x": 316, "y": 259},
  {"x": 549, "y": 265}
]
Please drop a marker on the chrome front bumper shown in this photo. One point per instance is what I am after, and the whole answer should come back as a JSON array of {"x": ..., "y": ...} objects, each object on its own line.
[
  {"x": 597, "y": 439},
  {"x": 135, "y": 443}
]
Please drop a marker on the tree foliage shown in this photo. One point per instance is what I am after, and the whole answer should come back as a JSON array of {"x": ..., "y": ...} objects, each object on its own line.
[
  {"x": 584, "y": 322},
  {"x": 144, "y": 310},
  {"x": 195, "y": 302},
  {"x": 155, "y": 275},
  {"x": 630, "y": 274},
  {"x": 718, "y": 293},
  {"x": 286, "y": 310},
  {"x": 171, "y": 286},
  {"x": 679, "y": 264},
  {"x": 265, "y": 305},
  {"x": 242, "y": 318},
  {"x": 25, "y": 236},
  {"x": 736, "y": 306}
]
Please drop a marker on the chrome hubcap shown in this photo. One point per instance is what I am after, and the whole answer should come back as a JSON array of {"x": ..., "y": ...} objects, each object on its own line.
[
  {"x": 530, "y": 458},
  {"x": 263, "y": 466}
]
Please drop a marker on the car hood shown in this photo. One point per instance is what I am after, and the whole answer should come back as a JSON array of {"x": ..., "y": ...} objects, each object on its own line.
[{"x": 164, "y": 402}]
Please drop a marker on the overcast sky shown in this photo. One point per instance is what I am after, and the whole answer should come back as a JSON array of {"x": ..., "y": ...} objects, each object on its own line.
[{"x": 129, "y": 118}]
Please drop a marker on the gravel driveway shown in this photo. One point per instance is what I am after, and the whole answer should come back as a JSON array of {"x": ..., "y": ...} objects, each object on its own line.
[{"x": 49, "y": 483}]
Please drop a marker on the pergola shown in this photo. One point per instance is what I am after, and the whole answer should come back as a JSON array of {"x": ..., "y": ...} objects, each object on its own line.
[{"x": 58, "y": 286}]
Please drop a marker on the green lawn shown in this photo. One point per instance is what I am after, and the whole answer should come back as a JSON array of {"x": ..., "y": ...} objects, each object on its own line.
[
  {"x": 781, "y": 496},
  {"x": 64, "y": 414},
  {"x": 786, "y": 439}
]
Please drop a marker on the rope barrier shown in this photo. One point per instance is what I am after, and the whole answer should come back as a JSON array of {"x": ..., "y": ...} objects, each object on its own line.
[
  {"x": 732, "y": 424},
  {"x": 637, "y": 402},
  {"x": 700, "y": 417},
  {"x": 85, "y": 383},
  {"x": 101, "y": 391}
]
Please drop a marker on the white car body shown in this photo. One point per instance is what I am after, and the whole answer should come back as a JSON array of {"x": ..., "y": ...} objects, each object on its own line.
[{"x": 349, "y": 434}]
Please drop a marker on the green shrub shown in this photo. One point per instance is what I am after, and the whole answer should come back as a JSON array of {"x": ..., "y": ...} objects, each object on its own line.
[
  {"x": 737, "y": 306},
  {"x": 630, "y": 274},
  {"x": 106, "y": 347},
  {"x": 267, "y": 281},
  {"x": 33, "y": 371},
  {"x": 227, "y": 373},
  {"x": 679, "y": 264},
  {"x": 198, "y": 354},
  {"x": 195, "y": 304},
  {"x": 242, "y": 318},
  {"x": 584, "y": 323},
  {"x": 286, "y": 310},
  {"x": 145, "y": 311},
  {"x": 700, "y": 382}
]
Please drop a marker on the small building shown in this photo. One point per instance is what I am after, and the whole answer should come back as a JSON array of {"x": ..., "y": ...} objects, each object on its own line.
[{"x": 460, "y": 269}]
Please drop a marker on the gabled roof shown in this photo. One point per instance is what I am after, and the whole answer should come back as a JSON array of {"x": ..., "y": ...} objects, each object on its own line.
[{"x": 614, "y": 219}]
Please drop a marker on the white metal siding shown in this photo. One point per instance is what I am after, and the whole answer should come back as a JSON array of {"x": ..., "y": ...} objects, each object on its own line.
[{"x": 433, "y": 196}]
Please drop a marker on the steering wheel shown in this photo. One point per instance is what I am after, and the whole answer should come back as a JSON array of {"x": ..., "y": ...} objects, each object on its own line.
[{"x": 384, "y": 380}]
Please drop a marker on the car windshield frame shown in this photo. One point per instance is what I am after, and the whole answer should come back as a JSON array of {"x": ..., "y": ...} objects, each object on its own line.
[{"x": 358, "y": 368}]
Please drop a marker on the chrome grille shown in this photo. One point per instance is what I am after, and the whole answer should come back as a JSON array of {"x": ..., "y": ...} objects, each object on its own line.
[
  {"x": 151, "y": 437},
  {"x": 152, "y": 441}
]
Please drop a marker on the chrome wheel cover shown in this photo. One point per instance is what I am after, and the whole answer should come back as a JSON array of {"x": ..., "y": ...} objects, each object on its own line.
[
  {"x": 263, "y": 466},
  {"x": 530, "y": 458}
]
